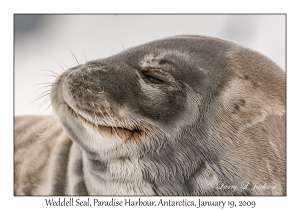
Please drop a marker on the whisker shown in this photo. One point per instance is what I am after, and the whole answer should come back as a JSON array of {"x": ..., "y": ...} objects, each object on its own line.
[
  {"x": 44, "y": 92},
  {"x": 115, "y": 128},
  {"x": 49, "y": 71},
  {"x": 101, "y": 91},
  {"x": 58, "y": 64},
  {"x": 47, "y": 75},
  {"x": 105, "y": 119},
  {"x": 44, "y": 83},
  {"x": 93, "y": 104},
  {"x": 96, "y": 127},
  {"x": 43, "y": 87},
  {"x": 53, "y": 117},
  {"x": 51, "y": 124},
  {"x": 46, "y": 109},
  {"x": 46, "y": 100},
  {"x": 85, "y": 56},
  {"x": 95, "y": 119},
  {"x": 40, "y": 97},
  {"x": 74, "y": 56},
  {"x": 122, "y": 45}
]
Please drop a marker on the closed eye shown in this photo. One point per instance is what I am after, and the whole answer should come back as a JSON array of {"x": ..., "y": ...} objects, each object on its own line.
[{"x": 154, "y": 79}]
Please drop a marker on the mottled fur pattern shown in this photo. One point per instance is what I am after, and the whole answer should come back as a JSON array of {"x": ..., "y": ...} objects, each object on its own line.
[{"x": 185, "y": 115}]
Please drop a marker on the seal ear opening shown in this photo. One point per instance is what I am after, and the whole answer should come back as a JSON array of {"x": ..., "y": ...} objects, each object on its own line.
[
  {"x": 239, "y": 106},
  {"x": 246, "y": 106}
]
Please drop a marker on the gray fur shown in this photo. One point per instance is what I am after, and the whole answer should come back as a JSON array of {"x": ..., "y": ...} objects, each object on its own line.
[{"x": 216, "y": 124}]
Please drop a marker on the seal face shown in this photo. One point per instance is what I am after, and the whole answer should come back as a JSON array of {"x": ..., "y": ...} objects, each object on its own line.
[{"x": 185, "y": 115}]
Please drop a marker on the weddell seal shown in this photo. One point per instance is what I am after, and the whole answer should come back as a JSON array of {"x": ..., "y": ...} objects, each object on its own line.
[{"x": 184, "y": 115}]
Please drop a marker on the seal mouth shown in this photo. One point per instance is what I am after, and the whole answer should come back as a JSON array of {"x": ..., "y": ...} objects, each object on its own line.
[{"x": 122, "y": 133}]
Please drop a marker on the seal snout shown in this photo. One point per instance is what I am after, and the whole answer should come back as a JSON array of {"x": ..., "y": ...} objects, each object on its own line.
[{"x": 89, "y": 100}]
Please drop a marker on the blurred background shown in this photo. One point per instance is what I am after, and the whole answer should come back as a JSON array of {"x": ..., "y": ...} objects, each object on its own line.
[{"x": 43, "y": 42}]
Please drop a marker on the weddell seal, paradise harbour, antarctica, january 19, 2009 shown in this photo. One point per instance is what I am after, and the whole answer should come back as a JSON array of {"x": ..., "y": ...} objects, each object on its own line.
[{"x": 184, "y": 115}]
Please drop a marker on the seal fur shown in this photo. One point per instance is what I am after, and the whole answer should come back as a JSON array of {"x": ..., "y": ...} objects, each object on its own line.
[{"x": 184, "y": 115}]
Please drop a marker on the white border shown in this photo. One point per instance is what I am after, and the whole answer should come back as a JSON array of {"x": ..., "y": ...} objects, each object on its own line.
[{"x": 8, "y": 8}]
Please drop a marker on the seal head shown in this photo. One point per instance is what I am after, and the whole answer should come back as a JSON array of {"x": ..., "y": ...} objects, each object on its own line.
[{"x": 178, "y": 116}]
